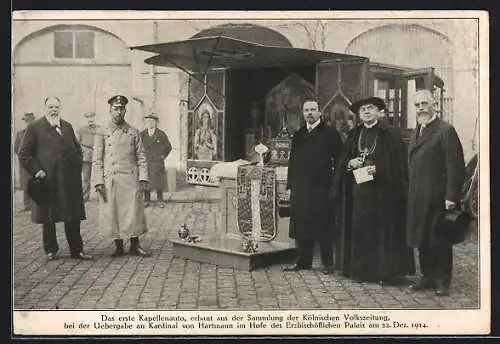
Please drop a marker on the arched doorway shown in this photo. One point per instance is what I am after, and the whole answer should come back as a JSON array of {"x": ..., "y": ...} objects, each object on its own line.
[
  {"x": 412, "y": 46},
  {"x": 83, "y": 65}
]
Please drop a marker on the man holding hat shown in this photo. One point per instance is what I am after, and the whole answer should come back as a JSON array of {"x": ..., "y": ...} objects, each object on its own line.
[
  {"x": 23, "y": 174},
  {"x": 52, "y": 156},
  {"x": 370, "y": 189},
  {"x": 120, "y": 176},
  {"x": 86, "y": 138},
  {"x": 436, "y": 177},
  {"x": 157, "y": 147}
]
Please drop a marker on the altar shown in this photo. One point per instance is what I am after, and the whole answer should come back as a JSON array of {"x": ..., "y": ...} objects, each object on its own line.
[{"x": 254, "y": 221}]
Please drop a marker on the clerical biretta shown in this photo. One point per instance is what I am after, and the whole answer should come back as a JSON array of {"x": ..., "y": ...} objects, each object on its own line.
[{"x": 371, "y": 242}]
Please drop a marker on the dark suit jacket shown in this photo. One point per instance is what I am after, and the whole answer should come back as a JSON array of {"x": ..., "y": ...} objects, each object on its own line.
[
  {"x": 60, "y": 156},
  {"x": 436, "y": 174}
]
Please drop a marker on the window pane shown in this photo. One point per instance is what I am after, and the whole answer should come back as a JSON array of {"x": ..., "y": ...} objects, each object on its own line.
[
  {"x": 84, "y": 45},
  {"x": 63, "y": 44}
]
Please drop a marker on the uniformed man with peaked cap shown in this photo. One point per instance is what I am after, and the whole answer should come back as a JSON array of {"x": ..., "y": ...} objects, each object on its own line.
[{"x": 120, "y": 176}]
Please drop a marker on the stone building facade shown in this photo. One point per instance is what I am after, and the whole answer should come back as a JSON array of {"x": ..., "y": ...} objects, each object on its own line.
[{"x": 85, "y": 62}]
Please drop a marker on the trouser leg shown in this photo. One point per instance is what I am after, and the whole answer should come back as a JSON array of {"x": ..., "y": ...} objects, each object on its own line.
[
  {"x": 147, "y": 195},
  {"x": 326, "y": 249},
  {"x": 159, "y": 195},
  {"x": 304, "y": 251},
  {"x": 444, "y": 264},
  {"x": 75, "y": 242},
  {"x": 50, "y": 244}
]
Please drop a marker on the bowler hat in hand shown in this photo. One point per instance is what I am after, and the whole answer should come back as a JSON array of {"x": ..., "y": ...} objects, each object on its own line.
[
  {"x": 38, "y": 190},
  {"x": 454, "y": 225}
]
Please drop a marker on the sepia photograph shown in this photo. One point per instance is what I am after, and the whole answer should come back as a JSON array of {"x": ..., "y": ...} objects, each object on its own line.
[{"x": 250, "y": 172}]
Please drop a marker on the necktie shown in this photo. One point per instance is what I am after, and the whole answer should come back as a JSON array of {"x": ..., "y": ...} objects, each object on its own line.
[
  {"x": 58, "y": 129},
  {"x": 421, "y": 130}
]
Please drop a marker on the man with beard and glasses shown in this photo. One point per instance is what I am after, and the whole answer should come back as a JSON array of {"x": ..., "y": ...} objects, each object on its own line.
[
  {"x": 436, "y": 177},
  {"x": 120, "y": 177},
  {"x": 371, "y": 241},
  {"x": 51, "y": 153},
  {"x": 315, "y": 148}
]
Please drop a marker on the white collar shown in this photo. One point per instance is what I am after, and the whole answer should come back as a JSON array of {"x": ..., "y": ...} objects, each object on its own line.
[
  {"x": 314, "y": 125},
  {"x": 369, "y": 126},
  {"x": 151, "y": 131}
]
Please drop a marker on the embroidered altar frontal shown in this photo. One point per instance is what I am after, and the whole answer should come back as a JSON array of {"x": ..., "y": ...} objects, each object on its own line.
[{"x": 256, "y": 209}]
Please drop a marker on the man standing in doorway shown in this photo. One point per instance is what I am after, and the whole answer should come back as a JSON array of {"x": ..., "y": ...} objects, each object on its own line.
[
  {"x": 51, "y": 152},
  {"x": 23, "y": 174},
  {"x": 157, "y": 147},
  {"x": 436, "y": 176},
  {"x": 315, "y": 148},
  {"x": 120, "y": 176},
  {"x": 86, "y": 139}
]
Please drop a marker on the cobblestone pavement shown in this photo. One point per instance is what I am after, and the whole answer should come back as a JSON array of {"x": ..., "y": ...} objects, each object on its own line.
[{"x": 165, "y": 282}]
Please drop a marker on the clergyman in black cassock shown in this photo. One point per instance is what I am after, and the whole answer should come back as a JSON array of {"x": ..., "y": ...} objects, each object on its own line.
[{"x": 370, "y": 240}]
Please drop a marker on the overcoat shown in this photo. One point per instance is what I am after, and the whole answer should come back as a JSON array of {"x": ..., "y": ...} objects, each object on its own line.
[
  {"x": 157, "y": 148},
  {"x": 119, "y": 163},
  {"x": 23, "y": 174},
  {"x": 436, "y": 174},
  {"x": 86, "y": 138},
  {"x": 310, "y": 173},
  {"x": 60, "y": 156}
]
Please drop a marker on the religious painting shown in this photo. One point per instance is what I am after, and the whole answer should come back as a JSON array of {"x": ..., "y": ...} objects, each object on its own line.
[
  {"x": 284, "y": 104},
  {"x": 205, "y": 138}
]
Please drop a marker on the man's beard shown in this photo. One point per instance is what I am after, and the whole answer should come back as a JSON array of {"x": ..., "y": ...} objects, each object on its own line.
[{"x": 422, "y": 117}]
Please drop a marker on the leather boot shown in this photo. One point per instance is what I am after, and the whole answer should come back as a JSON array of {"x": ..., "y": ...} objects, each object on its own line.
[
  {"x": 119, "y": 248},
  {"x": 136, "y": 249}
]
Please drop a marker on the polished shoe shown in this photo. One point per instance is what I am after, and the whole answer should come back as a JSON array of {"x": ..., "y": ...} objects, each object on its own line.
[
  {"x": 328, "y": 270},
  {"x": 119, "y": 248},
  {"x": 296, "y": 267},
  {"x": 424, "y": 284},
  {"x": 82, "y": 256},
  {"x": 161, "y": 204},
  {"x": 23, "y": 210},
  {"x": 53, "y": 255},
  {"x": 442, "y": 289},
  {"x": 138, "y": 251},
  {"x": 146, "y": 204}
]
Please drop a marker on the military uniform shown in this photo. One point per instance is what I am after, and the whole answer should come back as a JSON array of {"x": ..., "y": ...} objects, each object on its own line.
[
  {"x": 119, "y": 165},
  {"x": 157, "y": 147},
  {"x": 86, "y": 139}
]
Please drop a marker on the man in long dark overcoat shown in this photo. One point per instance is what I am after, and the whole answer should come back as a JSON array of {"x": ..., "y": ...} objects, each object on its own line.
[
  {"x": 50, "y": 150},
  {"x": 157, "y": 147},
  {"x": 23, "y": 174},
  {"x": 315, "y": 147},
  {"x": 436, "y": 176}
]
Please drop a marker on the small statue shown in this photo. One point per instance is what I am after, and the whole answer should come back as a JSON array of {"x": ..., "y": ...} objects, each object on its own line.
[
  {"x": 183, "y": 232},
  {"x": 261, "y": 150}
]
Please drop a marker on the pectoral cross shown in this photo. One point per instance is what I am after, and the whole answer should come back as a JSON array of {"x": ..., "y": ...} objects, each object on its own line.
[{"x": 364, "y": 154}]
